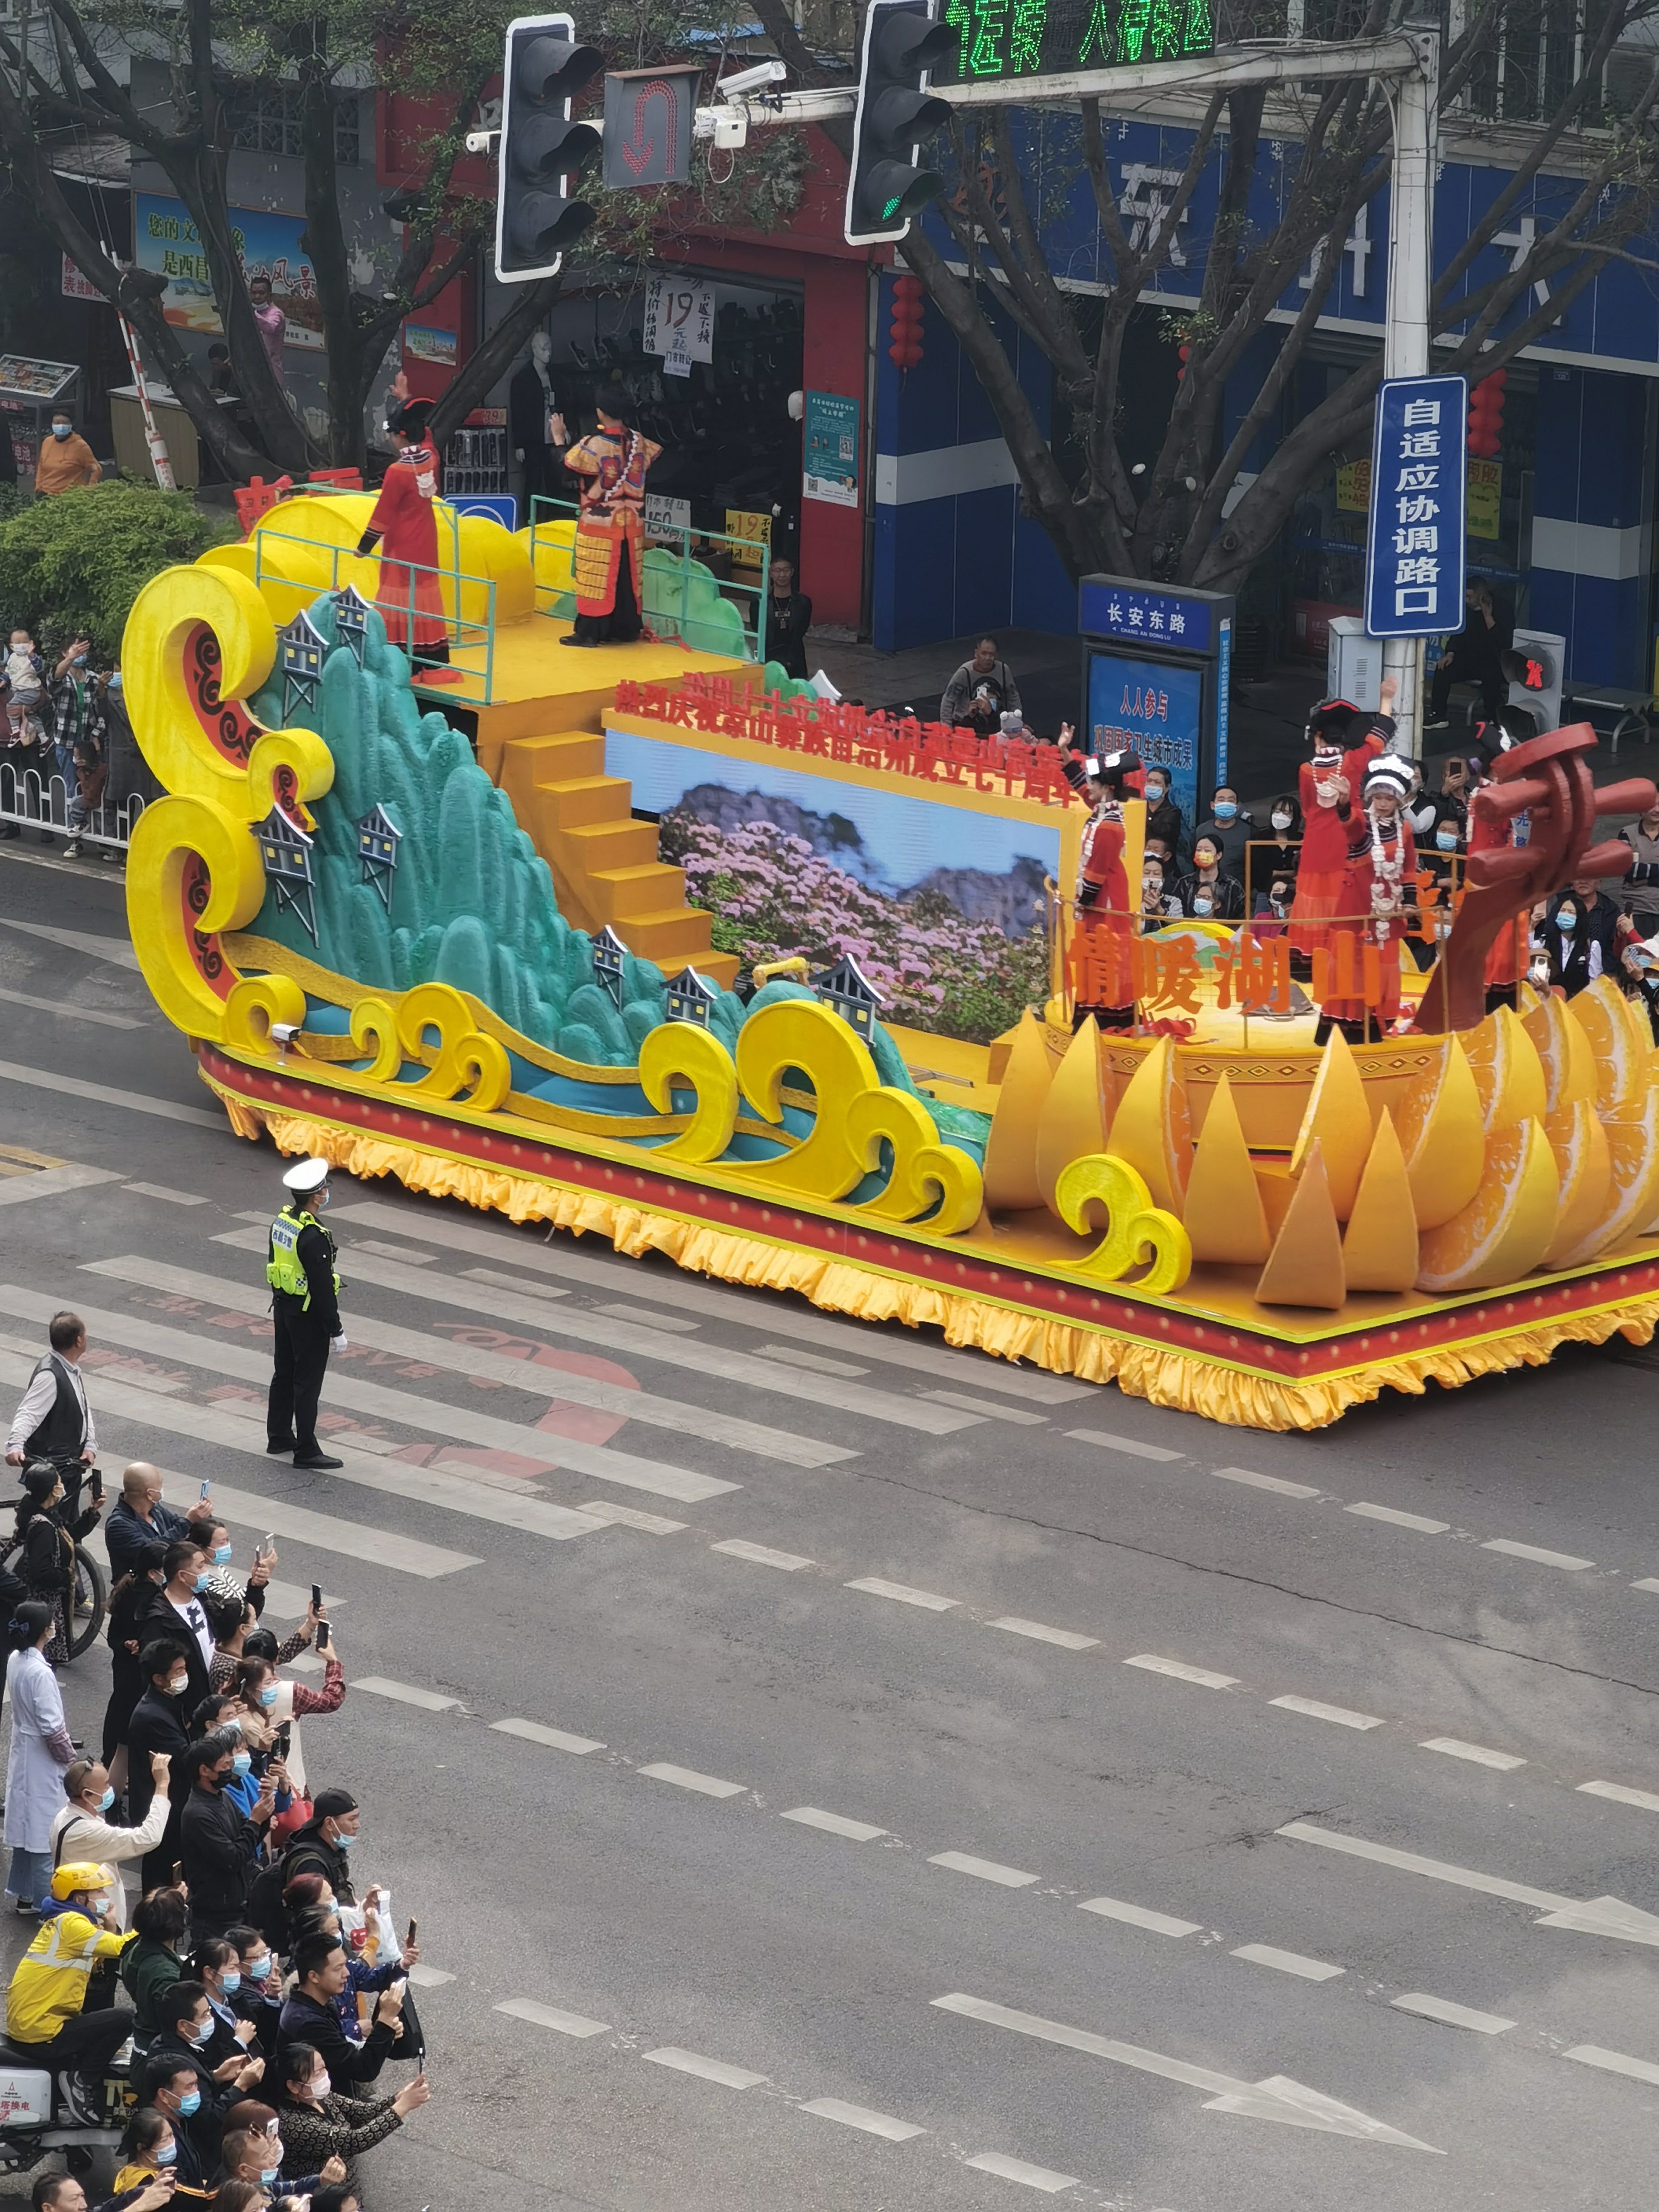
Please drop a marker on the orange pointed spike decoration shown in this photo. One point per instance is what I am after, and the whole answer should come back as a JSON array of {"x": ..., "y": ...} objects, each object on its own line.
[
  {"x": 1151, "y": 1131},
  {"x": 1225, "y": 1219},
  {"x": 1440, "y": 1133},
  {"x": 1304, "y": 1267},
  {"x": 1011, "y": 1169},
  {"x": 1339, "y": 1120},
  {"x": 1379, "y": 1252},
  {"x": 1077, "y": 1114}
]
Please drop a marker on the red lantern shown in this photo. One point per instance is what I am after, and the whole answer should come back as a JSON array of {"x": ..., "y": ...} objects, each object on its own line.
[
  {"x": 1485, "y": 437},
  {"x": 1181, "y": 353},
  {"x": 905, "y": 330}
]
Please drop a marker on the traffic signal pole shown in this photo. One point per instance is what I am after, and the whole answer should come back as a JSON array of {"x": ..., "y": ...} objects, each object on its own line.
[{"x": 1406, "y": 339}]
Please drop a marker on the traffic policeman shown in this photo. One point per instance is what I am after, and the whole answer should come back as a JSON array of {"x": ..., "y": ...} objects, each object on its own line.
[{"x": 305, "y": 1305}]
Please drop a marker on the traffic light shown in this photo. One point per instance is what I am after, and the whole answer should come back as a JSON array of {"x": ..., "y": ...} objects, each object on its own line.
[
  {"x": 541, "y": 148},
  {"x": 902, "y": 43},
  {"x": 1532, "y": 665}
]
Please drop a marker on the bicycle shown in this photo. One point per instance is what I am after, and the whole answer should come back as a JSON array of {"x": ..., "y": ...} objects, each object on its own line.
[{"x": 90, "y": 1598}]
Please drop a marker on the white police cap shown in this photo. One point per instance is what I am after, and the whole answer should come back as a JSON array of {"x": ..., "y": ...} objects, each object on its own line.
[{"x": 306, "y": 1175}]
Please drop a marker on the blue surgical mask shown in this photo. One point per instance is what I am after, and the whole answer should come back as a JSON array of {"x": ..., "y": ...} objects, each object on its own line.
[
  {"x": 190, "y": 2104},
  {"x": 242, "y": 1763},
  {"x": 79, "y": 661},
  {"x": 321, "y": 1198},
  {"x": 230, "y": 1981},
  {"x": 202, "y": 1580},
  {"x": 168, "y": 2156},
  {"x": 107, "y": 1800},
  {"x": 260, "y": 1968},
  {"x": 268, "y": 2174},
  {"x": 268, "y": 1697},
  {"x": 60, "y": 429},
  {"x": 1566, "y": 917},
  {"x": 343, "y": 1842},
  {"x": 1447, "y": 840},
  {"x": 1202, "y": 905},
  {"x": 221, "y": 1554},
  {"x": 1225, "y": 809}
]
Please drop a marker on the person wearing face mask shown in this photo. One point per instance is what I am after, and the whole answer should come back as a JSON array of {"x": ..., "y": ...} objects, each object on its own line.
[
  {"x": 1581, "y": 930},
  {"x": 176, "y": 1611},
  {"x": 1453, "y": 797},
  {"x": 218, "y": 1964},
  {"x": 1157, "y": 904},
  {"x": 49, "y": 1538},
  {"x": 1273, "y": 860},
  {"x": 258, "y": 2000},
  {"x": 152, "y": 1962},
  {"x": 84, "y": 1831},
  {"x": 45, "y": 2013},
  {"x": 1641, "y": 966},
  {"x": 215, "y": 1540},
  {"x": 138, "y": 1518},
  {"x": 1642, "y": 835},
  {"x": 158, "y": 1725},
  {"x": 41, "y": 1749},
  {"x": 1375, "y": 891},
  {"x": 1229, "y": 828},
  {"x": 147, "y": 2149},
  {"x": 170, "y": 2086},
  {"x": 128, "y": 1602},
  {"x": 319, "y": 2124},
  {"x": 219, "y": 1844},
  {"x": 65, "y": 460},
  {"x": 186, "y": 2033},
  {"x": 79, "y": 729},
  {"x": 1164, "y": 820},
  {"x": 1210, "y": 893},
  {"x": 304, "y": 1307},
  {"x": 322, "y": 1846},
  {"x": 255, "y": 2155}
]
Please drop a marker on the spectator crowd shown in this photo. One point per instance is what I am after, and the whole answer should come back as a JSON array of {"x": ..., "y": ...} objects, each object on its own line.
[
  {"x": 244, "y": 2017},
  {"x": 62, "y": 717}
]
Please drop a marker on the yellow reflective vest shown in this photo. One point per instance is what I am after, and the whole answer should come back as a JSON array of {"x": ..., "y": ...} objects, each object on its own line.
[
  {"x": 49, "y": 1984},
  {"x": 283, "y": 1270}
]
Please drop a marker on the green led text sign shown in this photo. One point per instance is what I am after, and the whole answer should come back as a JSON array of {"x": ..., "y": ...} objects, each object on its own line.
[{"x": 1045, "y": 38}]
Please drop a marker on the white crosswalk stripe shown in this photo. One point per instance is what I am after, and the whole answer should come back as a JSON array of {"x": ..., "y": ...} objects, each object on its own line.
[{"x": 419, "y": 1346}]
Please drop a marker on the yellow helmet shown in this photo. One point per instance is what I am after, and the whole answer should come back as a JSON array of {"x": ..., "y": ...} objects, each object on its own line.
[{"x": 80, "y": 1874}]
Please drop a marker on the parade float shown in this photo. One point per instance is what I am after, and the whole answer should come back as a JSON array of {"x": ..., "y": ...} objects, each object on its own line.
[{"x": 435, "y": 925}]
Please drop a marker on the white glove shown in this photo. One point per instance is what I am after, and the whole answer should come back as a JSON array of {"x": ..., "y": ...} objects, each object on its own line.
[{"x": 339, "y": 1341}]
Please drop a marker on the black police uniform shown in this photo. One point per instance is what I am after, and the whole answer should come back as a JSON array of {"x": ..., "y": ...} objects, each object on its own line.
[{"x": 303, "y": 1328}]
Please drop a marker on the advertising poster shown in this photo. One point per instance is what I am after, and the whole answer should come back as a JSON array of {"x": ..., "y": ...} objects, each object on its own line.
[
  {"x": 1486, "y": 508},
  {"x": 1155, "y": 709},
  {"x": 751, "y": 533},
  {"x": 679, "y": 323},
  {"x": 941, "y": 906},
  {"x": 829, "y": 449},
  {"x": 165, "y": 241},
  {"x": 422, "y": 343}
]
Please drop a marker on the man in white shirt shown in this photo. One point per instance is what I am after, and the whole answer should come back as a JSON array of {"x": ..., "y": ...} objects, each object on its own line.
[
  {"x": 53, "y": 1420},
  {"x": 176, "y": 1613}
]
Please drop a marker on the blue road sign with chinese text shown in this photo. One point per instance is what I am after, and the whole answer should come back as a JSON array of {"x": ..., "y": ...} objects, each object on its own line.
[
  {"x": 1107, "y": 609},
  {"x": 1415, "y": 545}
]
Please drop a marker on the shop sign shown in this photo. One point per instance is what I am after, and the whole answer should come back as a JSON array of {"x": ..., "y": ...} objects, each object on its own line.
[
  {"x": 666, "y": 516},
  {"x": 422, "y": 343},
  {"x": 1353, "y": 487},
  {"x": 75, "y": 286},
  {"x": 829, "y": 447},
  {"x": 1486, "y": 511},
  {"x": 679, "y": 323},
  {"x": 752, "y": 532}
]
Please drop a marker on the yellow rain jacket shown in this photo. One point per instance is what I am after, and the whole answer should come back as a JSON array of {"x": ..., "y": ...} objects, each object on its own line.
[{"x": 49, "y": 1984}]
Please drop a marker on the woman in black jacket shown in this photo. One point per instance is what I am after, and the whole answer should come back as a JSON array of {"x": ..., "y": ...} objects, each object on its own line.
[
  {"x": 128, "y": 1603},
  {"x": 46, "y": 1563}
]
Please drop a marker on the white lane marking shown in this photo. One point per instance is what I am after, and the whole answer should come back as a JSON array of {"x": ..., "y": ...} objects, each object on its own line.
[
  {"x": 1477, "y": 1753},
  {"x": 1017, "y": 2169},
  {"x": 1275, "y": 2098},
  {"x": 432, "y": 1225},
  {"x": 1317, "y": 1712},
  {"x": 1182, "y": 1672},
  {"x": 403, "y": 1694},
  {"x": 630, "y": 1517},
  {"x": 1067, "y": 1638},
  {"x": 115, "y": 949},
  {"x": 1613, "y": 2062},
  {"x": 289, "y": 1602},
  {"x": 307, "y": 1662},
  {"x": 428, "y": 1977},
  {"x": 703, "y": 1359},
  {"x": 707, "y": 2069},
  {"x": 1617, "y": 1791},
  {"x": 404, "y": 1252},
  {"x": 793, "y": 1358},
  {"x": 1455, "y": 2015},
  {"x": 70, "y": 1013},
  {"x": 555, "y": 1739},
  {"x": 1647, "y": 1582},
  {"x": 686, "y": 1777},
  {"x": 542, "y": 2016},
  {"x": 1398, "y": 1520},
  {"x": 640, "y": 1315},
  {"x": 135, "y": 1102},
  {"x": 1109, "y": 1442},
  {"x": 409, "y": 1410},
  {"x": 54, "y": 1183},
  {"x": 519, "y": 1282},
  {"x": 1594, "y": 1915},
  {"x": 834, "y": 1824},
  {"x": 1137, "y": 1915},
  {"x": 675, "y": 1414},
  {"x": 984, "y": 1870},
  {"x": 761, "y": 1555},
  {"x": 171, "y": 1197},
  {"x": 245, "y": 1432},
  {"x": 903, "y": 1592},
  {"x": 1288, "y": 1962},
  {"x": 968, "y": 1405},
  {"x": 1573, "y": 1566},
  {"x": 1273, "y": 1482},
  {"x": 861, "y": 2116}
]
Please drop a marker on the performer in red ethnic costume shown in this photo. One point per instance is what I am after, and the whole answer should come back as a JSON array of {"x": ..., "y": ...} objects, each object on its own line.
[
  {"x": 1376, "y": 890},
  {"x": 610, "y": 528},
  {"x": 1105, "y": 925},
  {"x": 1486, "y": 835},
  {"x": 405, "y": 527},
  {"x": 1324, "y": 838}
]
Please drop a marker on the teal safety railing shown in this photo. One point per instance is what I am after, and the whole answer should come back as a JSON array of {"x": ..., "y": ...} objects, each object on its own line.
[
  {"x": 683, "y": 596},
  {"x": 469, "y": 635}
]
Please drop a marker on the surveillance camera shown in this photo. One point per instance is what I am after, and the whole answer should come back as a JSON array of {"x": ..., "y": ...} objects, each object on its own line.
[
  {"x": 482, "y": 142},
  {"x": 284, "y": 1033},
  {"x": 751, "y": 80}
]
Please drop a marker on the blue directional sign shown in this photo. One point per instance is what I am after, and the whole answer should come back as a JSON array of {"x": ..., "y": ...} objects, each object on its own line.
[
  {"x": 1414, "y": 546},
  {"x": 1107, "y": 608}
]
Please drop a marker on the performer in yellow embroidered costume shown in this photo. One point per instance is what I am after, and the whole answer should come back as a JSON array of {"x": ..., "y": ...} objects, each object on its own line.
[{"x": 610, "y": 527}]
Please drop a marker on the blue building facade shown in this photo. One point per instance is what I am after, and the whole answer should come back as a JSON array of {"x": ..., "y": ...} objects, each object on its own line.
[{"x": 1561, "y": 523}]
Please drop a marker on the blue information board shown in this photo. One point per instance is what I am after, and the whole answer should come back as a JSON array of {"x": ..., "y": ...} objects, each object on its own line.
[
  {"x": 1415, "y": 545},
  {"x": 1143, "y": 616},
  {"x": 1156, "y": 708}
]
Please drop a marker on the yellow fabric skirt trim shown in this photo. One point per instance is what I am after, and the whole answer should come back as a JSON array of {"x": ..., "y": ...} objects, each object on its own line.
[{"x": 1185, "y": 1381}]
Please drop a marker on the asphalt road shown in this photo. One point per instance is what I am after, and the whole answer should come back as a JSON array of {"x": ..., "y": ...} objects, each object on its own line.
[{"x": 1051, "y": 1672}]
